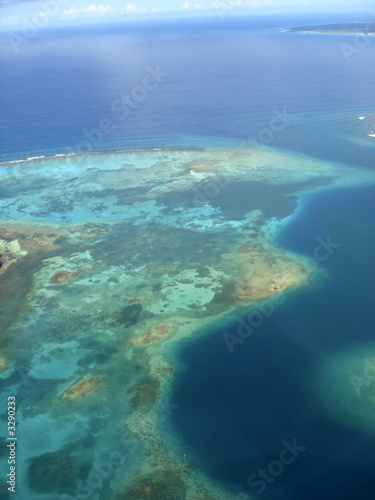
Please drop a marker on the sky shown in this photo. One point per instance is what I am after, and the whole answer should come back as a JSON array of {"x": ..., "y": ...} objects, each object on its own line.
[{"x": 21, "y": 14}]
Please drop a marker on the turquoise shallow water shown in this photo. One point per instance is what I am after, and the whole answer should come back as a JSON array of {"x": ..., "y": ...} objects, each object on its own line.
[{"x": 105, "y": 257}]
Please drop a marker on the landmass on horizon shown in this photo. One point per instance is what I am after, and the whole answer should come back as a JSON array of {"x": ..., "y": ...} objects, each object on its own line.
[{"x": 356, "y": 28}]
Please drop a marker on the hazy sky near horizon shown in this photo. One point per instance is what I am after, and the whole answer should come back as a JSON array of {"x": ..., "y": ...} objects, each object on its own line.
[{"x": 17, "y": 13}]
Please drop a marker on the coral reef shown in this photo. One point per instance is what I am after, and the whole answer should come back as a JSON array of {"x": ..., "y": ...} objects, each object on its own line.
[
  {"x": 144, "y": 393},
  {"x": 64, "y": 276},
  {"x": 3, "y": 363},
  {"x": 82, "y": 388},
  {"x": 157, "y": 333},
  {"x": 171, "y": 241},
  {"x": 162, "y": 484}
]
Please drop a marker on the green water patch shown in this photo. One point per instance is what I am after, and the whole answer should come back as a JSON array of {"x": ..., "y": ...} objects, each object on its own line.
[
  {"x": 3, "y": 448},
  {"x": 273, "y": 199},
  {"x": 48, "y": 473},
  {"x": 30, "y": 185},
  {"x": 155, "y": 244},
  {"x": 5, "y": 494},
  {"x": 122, "y": 196},
  {"x": 56, "y": 472},
  {"x": 129, "y": 315},
  {"x": 58, "y": 325},
  {"x": 45, "y": 390},
  {"x": 101, "y": 356},
  {"x": 173, "y": 200},
  {"x": 16, "y": 285},
  {"x": 58, "y": 206}
]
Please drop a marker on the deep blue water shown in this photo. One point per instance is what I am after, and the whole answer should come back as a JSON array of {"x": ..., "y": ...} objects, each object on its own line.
[
  {"x": 237, "y": 409},
  {"x": 225, "y": 78}
]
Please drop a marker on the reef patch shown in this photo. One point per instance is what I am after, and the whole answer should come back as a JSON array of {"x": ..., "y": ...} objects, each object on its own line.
[
  {"x": 65, "y": 276},
  {"x": 156, "y": 333},
  {"x": 82, "y": 388}
]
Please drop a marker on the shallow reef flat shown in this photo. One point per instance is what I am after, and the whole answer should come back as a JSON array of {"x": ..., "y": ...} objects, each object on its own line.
[
  {"x": 108, "y": 261},
  {"x": 347, "y": 392}
]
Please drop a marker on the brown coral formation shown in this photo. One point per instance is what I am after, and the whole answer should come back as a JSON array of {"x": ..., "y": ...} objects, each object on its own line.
[
  {"x": 166, "y": 481},
  {"x": 3, "y": 363},
  {"x": 246, "y": 248},
  {"x": 89, "y": 230},
  {"x": 82, "y": 388},
  {"x": 144, "y": 394},
  {"x": 201, "y": 165},
  {"x": 271, "y": 278},
  {"x": 33, "y": 239},
  {"x": 264, "y": 273},
  {"x": 162, "y": 270},
  {"x": 10, "y": 251},
  {"x": 18, "y": 240},
  {"x": 156, "y": 333},
  {"x": 136, "y": 300},
  {"x": 64, "y": 276}
]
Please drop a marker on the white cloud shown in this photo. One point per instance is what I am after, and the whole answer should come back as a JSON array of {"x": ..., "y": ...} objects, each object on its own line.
[
  {"x": 91, "y": 10},
  {"x": 10, "y": 20},
  {"x": 226, "y": 4},
  {"x": 100, "y": 10},
  {"x": 255, "y": 3},
  {"x": 192, "y": 6},
  {"x": 130, "y": 8}
]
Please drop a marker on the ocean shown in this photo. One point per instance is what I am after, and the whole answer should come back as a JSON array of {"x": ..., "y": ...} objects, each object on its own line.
[
  {"x": 238, "y": 408},
  {"x": 60, "y": 86},
  {"x": 304, "y": 375}
]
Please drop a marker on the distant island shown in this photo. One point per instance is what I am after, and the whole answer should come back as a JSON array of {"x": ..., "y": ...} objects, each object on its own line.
[{"x": 358, "y": 27}]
